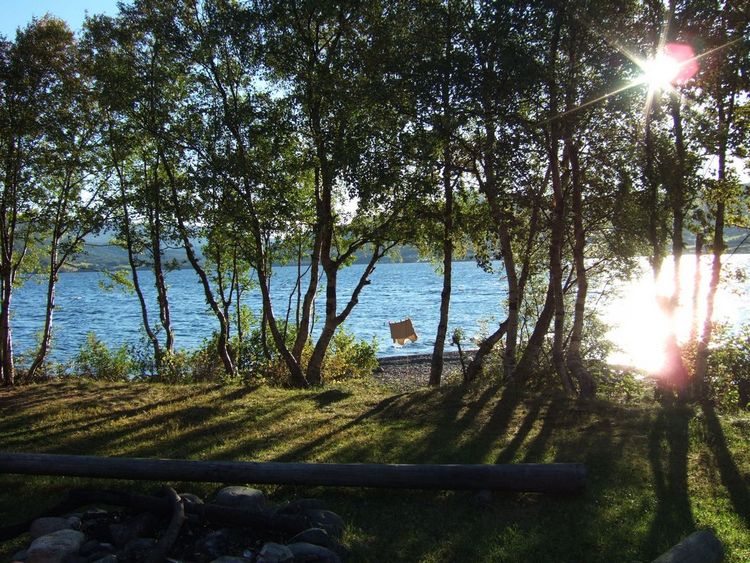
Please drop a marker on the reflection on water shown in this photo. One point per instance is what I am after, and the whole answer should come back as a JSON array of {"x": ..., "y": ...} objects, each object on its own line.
[{"x": 639, "y": 325}]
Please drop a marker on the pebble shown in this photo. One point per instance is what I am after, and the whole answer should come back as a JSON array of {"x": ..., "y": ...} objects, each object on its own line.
[
  {"x": 55, "y": 547},
  {"x": 245, "y": 498}
]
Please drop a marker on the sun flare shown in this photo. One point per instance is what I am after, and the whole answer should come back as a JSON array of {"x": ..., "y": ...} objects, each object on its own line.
[{"x": 660, "y": 72}]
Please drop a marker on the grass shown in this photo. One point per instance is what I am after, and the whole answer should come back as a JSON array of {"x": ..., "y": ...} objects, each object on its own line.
[{"x": 655, "y": 473}]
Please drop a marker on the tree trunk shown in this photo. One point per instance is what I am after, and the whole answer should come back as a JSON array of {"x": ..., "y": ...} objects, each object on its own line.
[
  {"x": 557, "y": 226},
  {"x": 44, "y": 345},
  {"x": 222, "y": 343},
  {"x": 534, "y": 345},
  {"x": 6, "y": 337},
  {"x": 696, "y": 289},
  {"x": 586, "y": 383},
  {"x": 475, "y": 366},
  {"x": 436, "y": 367}
]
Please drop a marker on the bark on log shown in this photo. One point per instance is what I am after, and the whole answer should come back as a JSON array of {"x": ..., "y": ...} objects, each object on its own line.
[
  {"x": 699, "y": 547},
  {"x": 523, "y": 477}
]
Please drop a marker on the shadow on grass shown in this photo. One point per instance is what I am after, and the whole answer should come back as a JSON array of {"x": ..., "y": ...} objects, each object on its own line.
[
  {"x": 668, "y": 446},
  {"x": 730, "y": 475}
]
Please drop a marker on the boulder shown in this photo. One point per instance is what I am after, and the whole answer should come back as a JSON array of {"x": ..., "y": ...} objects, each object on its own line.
[
  {"x": 43, "y": 526},
  {"x": 245, "y": 498},
  {"x": 311, "y": 553},
  {"x": 55, "y": 547},
  {"x": 274, "y": 553}
]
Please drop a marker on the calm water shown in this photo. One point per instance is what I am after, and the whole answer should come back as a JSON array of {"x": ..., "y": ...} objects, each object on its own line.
[{"x": 397, "y": 291}]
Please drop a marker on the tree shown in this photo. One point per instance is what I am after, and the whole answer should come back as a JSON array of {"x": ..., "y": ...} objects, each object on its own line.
[{"x": 34, "y": 75}]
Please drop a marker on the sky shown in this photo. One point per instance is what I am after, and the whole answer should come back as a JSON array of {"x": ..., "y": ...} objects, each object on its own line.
[{"x": 17, "y": 13}]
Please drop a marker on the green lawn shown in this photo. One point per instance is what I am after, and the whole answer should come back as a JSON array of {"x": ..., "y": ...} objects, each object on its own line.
[{"x": 655, "y": 474}]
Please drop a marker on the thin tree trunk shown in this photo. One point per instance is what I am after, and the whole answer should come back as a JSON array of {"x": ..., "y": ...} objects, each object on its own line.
[
  {"x": 44, "y": 344},
  {"x": 586, "y": 383},
  {"x": 557, "y": 226},
  {"x": 222, "y": 343},
  {"x": 6, "y": 337},
  {"x": 696, "y": 289},
  {"x": 534, "y": 345},
  {"x": 436, "y": 367}
]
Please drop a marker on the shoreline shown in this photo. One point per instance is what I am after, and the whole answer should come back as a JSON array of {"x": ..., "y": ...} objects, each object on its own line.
[{"x": 412, "y": 371}]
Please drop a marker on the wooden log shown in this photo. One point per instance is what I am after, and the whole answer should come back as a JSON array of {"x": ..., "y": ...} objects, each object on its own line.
[
  {"x": 699, "y": 547},
  {"x": 522, "y": 477}
]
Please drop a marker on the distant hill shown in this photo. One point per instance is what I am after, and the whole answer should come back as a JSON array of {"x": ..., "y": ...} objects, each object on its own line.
[{"x": 101, "y": 255}]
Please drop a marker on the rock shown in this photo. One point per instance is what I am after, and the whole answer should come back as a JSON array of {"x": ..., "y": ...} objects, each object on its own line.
[
  {"x": 143, "y": 524},
  {"x": 55, "y": 547},
  {"x": 274, "y": 553},
  {"x": 214, "y": 544},
  {"x": 43, "y": 526},
  {"x": 308, "y": 552},
  {"x": 107, "y": 559},
  {"x": 329, "y": 521},
  {"x": 299, "y": 506},
  {"x": 245, "y": 498},
  {"x": 230, "y": 559},
  {"x": 191, "y": 498},
  {"x": 20, "y": 556},
  {"x": 317, "y": 536},
  {"x": 94, "y": 514},
  {"x": 74, "y": 522}
]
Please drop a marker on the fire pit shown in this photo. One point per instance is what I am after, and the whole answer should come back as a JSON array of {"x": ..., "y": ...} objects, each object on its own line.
[{"x": 238, "y": 525}]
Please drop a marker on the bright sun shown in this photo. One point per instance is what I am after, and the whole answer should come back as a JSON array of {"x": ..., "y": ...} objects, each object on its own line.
[{"x": 661, "y": 72}]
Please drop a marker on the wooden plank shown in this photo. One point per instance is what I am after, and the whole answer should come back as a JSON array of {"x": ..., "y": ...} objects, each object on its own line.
[{"x": 522, "y": 477}]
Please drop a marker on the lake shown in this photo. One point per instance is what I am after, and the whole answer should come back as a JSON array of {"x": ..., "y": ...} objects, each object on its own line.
[{"x": 397, "y": 291}]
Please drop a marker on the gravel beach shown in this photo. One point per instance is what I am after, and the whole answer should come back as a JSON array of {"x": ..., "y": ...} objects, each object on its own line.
[{"x": 413, "y": 372}]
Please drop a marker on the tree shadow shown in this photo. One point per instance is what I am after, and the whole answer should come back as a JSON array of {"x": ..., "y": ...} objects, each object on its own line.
[
  {"x": 730, "y": 474},
  {"x": 668, "y": 445}
]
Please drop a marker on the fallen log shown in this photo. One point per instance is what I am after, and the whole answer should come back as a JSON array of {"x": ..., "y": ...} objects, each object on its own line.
[
  {"x": 699, "y": 547},
  {"x": 522, "y": 477}
]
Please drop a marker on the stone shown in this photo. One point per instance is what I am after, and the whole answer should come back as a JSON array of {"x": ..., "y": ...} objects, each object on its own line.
[
  {"x": 20, "y": 556},
  {"x": 317, "y": 536},
  {"x": 245, "y": 498},
  {"x": 230, "y": 559},
  {"x": 74, "y": 522},
  {"x": 308, "y": 552},
  {"x": 191, "y": 498},
  {"x": 55, "y": 547},
  {"x": 94, "y": 514},
  {"x": 46, "y": 525},
  {"x": 274, "y": 553},
  {"x": 299, "y": 506},
  {"x": 107, "y": 559},
  {"x": 329, "y": 521}
]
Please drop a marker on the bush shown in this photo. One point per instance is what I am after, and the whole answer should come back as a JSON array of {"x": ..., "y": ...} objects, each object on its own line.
[
  {"x": 97, "y": 361},
  {"x": 349, "y": 358},
  {"x": 729, "y": 369}
]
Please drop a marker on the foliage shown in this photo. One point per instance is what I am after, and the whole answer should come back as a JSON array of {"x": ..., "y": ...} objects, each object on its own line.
[
  {"x": 729, "y": 369},
  {"x": 95, "y": 360}
]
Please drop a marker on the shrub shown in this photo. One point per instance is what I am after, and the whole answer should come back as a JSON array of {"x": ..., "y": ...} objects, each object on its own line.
[
  {"x": 729, "y": 369},
  {"x": 97, "y": 361}
]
